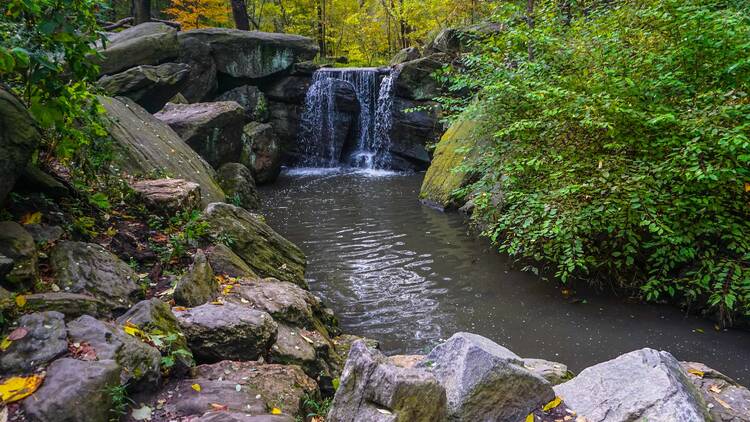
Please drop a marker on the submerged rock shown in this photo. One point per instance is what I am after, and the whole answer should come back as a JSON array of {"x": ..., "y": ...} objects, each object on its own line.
[
  {"x": 17, "y": 245},
  {"x": 213, "y": 130},
  {"x": 727, "y": 400},
  {"x": 168, "y": 196},
  {"x": 19, "y": 138},
  {"x": 149, "y": 86},
  {"x": 45, "y": 339},
  {"x": 149, "y": 43},
  {"x": 238, "y": 184},
  {"x": 260, "y": 152},
  {"x": 372, "y": 389},
  {"x": 644, "y": 384},
  {"x": 74, "y": 391},
  {"x": 485, "y": 381},
  {"x": 198, "y": 285},
  {"x": 264, "y": 250}
]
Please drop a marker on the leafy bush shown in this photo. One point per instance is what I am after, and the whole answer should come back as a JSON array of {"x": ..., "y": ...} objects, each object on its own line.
[{"x": 621, "y": 146}]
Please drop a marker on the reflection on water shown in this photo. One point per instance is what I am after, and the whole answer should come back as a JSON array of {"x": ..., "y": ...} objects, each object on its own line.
[{"x": 409, "y": 276}]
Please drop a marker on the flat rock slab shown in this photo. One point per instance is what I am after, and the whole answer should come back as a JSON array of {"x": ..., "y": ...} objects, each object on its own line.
[
  {"x": 229, "y": 331},
  {"x": 72, "y": 305},
  {"x": 284, "y": 301},
  {"x": 641, "y": 385},
  {"x": 45, "y": 339},
  {"x": 145, "y": 44},
  {"x": 168, "y": 196},
  {"x": 149, "y": 86}
]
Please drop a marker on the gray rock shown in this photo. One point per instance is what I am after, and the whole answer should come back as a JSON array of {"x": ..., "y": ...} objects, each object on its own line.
[
  {"x": 202, "y": 82},
  {"x": 35, "y": 180},
  {"x": 727, "y": 400},
  {"x": 6, "y": 266},
  {"x": 309, "y": 349},
  {"x": 89, "y": 268},
  {"x": 140, "y": 362},
  {"x": 260, "y": 152},
  {"x": 74, "y": 391},
  {"x": 371, "y": 389},
  {"x": 288, "y": 89},
  {"x": 18, "y": 245},
  {"x": 284, "y": 301},
  {"x": 485, "y": 381},
  {"x": 149, "y": 86},
  {"x": 168, "y": 196},
  {"x": 416, "y": 80},
  {"x": 242, "y": 417},
  {"x": 145, "y": 145},
  {"x": 641, "y": 385},
  {"x": 19, "y": 138},
  {"x": 252, "y": 54},
  {"x": 405, "y": 55},
  {"x": 43, "y": 233},
  {"x": 238, "y": 184},
  {"x": 459, "y": 40},
  {"x": 45, "y": 340},
  {"x": 554, "y": 372},
  {"x": 229, "y": 331},
  {"x": 264, "y": 250},
  {"x": 145, "y": 44},
  {"x": 412, "y": 130},
  {"x": 224, "y": 261},
  {"x": 213, "y": 130},
  {"x": 251, "y": 99},
  {"x": 180, "y": 401},
  {"x": 72, "y": 305},
  {"x": 285, "y": 119},
  {"x": 198, "y": 285}
]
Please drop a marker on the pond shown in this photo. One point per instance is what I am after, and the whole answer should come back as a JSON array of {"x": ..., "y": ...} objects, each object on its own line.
[{"x": 410, "y": 276}]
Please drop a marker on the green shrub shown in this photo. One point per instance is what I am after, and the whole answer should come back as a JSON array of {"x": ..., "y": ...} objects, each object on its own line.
[{"x": 621, "y": 148}]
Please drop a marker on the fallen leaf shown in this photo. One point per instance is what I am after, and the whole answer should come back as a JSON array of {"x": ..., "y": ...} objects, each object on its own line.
[
  {"x": 131, "y": 329},
  {"x": 17, "y": 334},
  {"x": 385, "y": 411},
  {"x": 530, "y": 417},
  {"x": 216, "y": 302},
  {"x": 20, "y": 301},
  {"x": 111, "y": 231},
  {"x": 82, "y": 351},
  {"x": 723, "y": 403},
  {"x": 553, "y": 404},
  {"x": 5, "y": 344},
  {"x": 31, "y": 218},
  {"x": 715, "y": 388},
  {"x": 275, "y": 411},
  {"x": 196, "y": 387},
  {"x": 16, "y": 388},
  {"x": 696, "y": 372},
  {"x": 699, "y": 330},
  {"x": 219, "y": 407},
  {"x": 179, "y": 308},
  {"x": 142, "y": 414}
]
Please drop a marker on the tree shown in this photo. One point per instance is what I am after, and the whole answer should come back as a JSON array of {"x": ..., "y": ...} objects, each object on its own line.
[
  {"x": 239, "y": 12},
  {"x": 141, "y": 11},
  {"x": 193, "y": 14}
]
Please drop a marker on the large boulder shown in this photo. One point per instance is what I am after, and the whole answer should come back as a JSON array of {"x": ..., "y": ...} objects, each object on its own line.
[
  {"x": 405, "y": 55},
  {"x": 416, "y": 80},
  {"x": 140, "y": 362},
  {"x": 251, "y": 99},
  {"x": 373, "y": 390},
  {"x": 260, "y": 152},
  {"x": 145, "y": 145},
  {"x": 309, "y": 349},
  {"x": 198, "y": 285},
  {"x": 485, "y": 381},
  {"x": 19, "y": 138},
  {"x": 17, "y": 245},
  {"x": 415, "y": 124},
  {"x": 727, "y": 400},
  {"x": 238, "y": 184},
  {"x": 145, "y": 44},
  {"x": 284, "y": 301},
  {"x": 149, "y": 86},
  {"x": 641, "y": 385},
  {"x": 225, "y": 262},
  {"x": 88, "y": 268},
  {"x": 218, "y": 332},
  {"x": 213, "y": 130},
  {"x": 441, "y": 181},
  {"x": 459, "y": 40},
  {"x": 252, "y": 54},
  {"x": 288, "y": 89},
  {"x": 44, "y": 339},
  {"x": 202, "y": 81},
  {"x": 72, "y": 305},
  {"x": 264, "y": 250},
  {"x": 74, "y": 391},
  {"x": 286, "y": 120},
  {"x": 168, "y": 196}
]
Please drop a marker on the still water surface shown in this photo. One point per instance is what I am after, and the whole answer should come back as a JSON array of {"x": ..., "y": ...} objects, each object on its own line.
[{"x": 410, "y": 276}]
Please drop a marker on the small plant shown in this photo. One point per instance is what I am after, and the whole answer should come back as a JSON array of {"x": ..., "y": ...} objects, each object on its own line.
[
  {"x": 236, "y": 200},
  {"x": 226, "y": 239},
  {"x": 316, "y": 409},
  {"x": 118, "y": 394}
]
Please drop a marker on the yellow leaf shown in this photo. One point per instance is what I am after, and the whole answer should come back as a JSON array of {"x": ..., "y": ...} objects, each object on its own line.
[
  {"x": 20, "y": 300},
  {"x": 747, "y": 186},
  {"x": 723, "y": 403},
  {"x": 111, "y": 231},
  {"x": 553, "y": 404},
  {"x": 16, "y": 388},
  {"x": 31, "y": 218},
  {"x": 196, "y": 387},
  {"x": 715, "y": 388},
  {"x": 696, "y": 372},
  {"x": 179, "y": 308},
  {"x": 530, "y": 418},
  {"x": 5, "y": 344},
  {"x": 133, "y": 330},
  {"x": 275, "y": 411}
]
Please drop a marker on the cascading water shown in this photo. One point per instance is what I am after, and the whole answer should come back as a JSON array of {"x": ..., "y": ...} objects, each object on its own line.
[{"x": 321, "y": 145}]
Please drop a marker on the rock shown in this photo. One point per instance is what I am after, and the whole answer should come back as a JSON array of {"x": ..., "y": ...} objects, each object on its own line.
[
  {"x": 18, "y": 246},
  {"x": 145, "y": 44},
  {"x": 288, "y": 89},
  {"x": 229, "y": 331},
  {"x": 238, "y": 184},
  {"x": 406, "y": 361},
  {"x": 198, "y": 285},
  {"x": 251, "y": 99},
  {"x": 242, "y": 417},
  {"x": 88, "y": 268},
  {"x": 309, "y": 349},
  {"x": 149, "y": 86},
  {"x": 6, "y": 266},
  {"x": 35, "y": 180},
  {"x": 282, "y": 386},
  {"x": 19, "y": 138},
  {"x": 44, "y": 234},
  {"x": 284, "y": 301},
  {"x": 264, "y": 250},
  {"x": 202, "y": 82},
  {"x": 144, "y": 145},
  {"x": 305, "y": 68},
  {"x": 458, "y": 40},
  {"x": 485, "y": 381},
  {"x": 45, "y": 340},
  {"x": 179, "y": 400},
  {"x": 224, "y": 261},
  {"x": 74, "y": 391},
  {"x": 140, "y": 362},
  {"x": 213, "y": 130},
  {"x": 554, "y": 372},
  {"x": 168, "y": 196},
  {"x": 260, "y": 152},
  {"x": 644, "y": 384},
  {"x": 344, "y": 342},
  {"x": 727, "y": 400},
  {"x": 372, "y": 389},
  {"x": 441, "y": 181},
  {"x": 285, "y": 120},
  {"x": 411, "y": 131},
  {"x": 405, "y": 55},
  {"x": 156, "y": 318},
  {"x": 253, "y": 54},
  {"x": 416, "y": 80},
  {"x": 72, "y": 305}
]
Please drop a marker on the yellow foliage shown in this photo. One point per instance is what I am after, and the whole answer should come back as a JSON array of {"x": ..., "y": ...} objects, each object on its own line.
[
  {"x": 192, "y": 14},
  {"x": 20, "y": 301},
  {"x": 16, "y": 388}
]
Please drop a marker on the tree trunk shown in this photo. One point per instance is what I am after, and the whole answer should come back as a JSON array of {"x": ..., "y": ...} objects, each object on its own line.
[
  {"x": 141, "y": 11},
  {"x": 239, "y": 12},
  {"x": 322, "y": 28},
  {"x": 530, "y": 20}
]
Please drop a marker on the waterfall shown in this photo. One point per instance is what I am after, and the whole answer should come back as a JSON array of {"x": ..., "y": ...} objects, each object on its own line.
[{"x": 320, "y": 143}]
